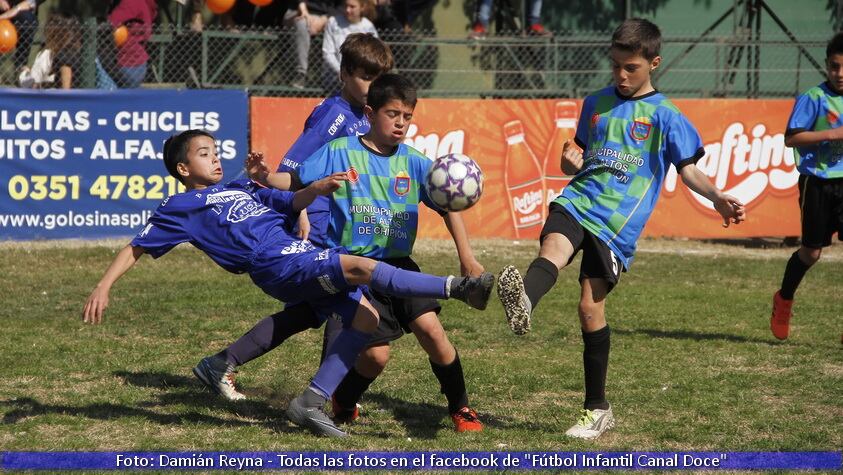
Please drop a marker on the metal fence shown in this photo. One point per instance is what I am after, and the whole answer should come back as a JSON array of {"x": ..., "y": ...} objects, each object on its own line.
[{"x": 566, "y": 65}]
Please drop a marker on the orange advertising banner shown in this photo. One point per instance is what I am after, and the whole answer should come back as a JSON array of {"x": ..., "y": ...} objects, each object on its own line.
[{"x": 517, "y": 143}]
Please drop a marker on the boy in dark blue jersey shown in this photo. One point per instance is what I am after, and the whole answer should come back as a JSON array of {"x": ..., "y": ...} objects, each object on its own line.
[
  {"x": 376, "y": 215},
  {"x": 242, "y": 226},
  {"x": 815, "y": 129},
  {"x": 630, "y": 135},
  {"x": 364, "y": 58}
]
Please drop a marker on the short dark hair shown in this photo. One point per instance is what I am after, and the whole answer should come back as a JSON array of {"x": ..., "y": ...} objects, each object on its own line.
[
  {"x": 364, "y": 51},
  {"x": 391, "y": 87},
  {"x": 835, "y": 45},
  {"x": 638, "y": 36},
  {"x": 175, "y": 150}
]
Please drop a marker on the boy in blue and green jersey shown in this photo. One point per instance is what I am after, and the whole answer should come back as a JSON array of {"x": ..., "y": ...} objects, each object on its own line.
[
  {"x": 376, "y": 215},
  {"x": 630, "y": 135},
  {"x": 814, "y": 129}
]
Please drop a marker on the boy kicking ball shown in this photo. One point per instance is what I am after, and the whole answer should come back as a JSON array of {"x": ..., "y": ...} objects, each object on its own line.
[{"x": 630, "y": 135}]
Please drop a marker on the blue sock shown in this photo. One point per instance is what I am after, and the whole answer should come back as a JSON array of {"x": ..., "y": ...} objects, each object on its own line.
[
  {"x": 340, "y": 358},
  {"x": 397, "y": 282}
]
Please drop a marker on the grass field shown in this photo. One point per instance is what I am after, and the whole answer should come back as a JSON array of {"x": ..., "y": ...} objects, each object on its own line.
[{"x": 693, "y": 365}]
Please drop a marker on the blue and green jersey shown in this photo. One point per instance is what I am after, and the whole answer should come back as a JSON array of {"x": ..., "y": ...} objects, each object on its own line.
[
  {"x": 819, "y": 108},
  {"x": 628, "y": 145},
  {"x": 376, "y": 212}
]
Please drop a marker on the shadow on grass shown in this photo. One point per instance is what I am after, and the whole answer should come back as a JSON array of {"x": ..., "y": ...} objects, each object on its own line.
[
  {"x": 757, "y": 242},
  {"x": 690, "y": 335},
  {"x": 423, "y": 420}
]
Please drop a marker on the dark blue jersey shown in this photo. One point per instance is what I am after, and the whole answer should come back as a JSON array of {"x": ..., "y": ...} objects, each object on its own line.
[
  {"x": 233, "y": 224},
  {"x": 332, "y": 118}
]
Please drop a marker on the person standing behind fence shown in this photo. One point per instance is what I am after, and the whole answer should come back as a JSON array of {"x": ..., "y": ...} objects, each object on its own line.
[
  {"x": 59, "y": 63},
  {"x": 357, "y": 18},
  {"x": 309, "y": 19},
  {"x": 484, "y": 14},
  {"x": 138, "y": 16}
]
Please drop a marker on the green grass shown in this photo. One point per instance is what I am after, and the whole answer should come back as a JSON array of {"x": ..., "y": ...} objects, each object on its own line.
[{"x": 693, "y": 365}]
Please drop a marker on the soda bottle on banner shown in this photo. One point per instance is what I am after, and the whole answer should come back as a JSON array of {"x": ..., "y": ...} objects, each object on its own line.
[
  {"x": 566, "y": 126},
  {"x": 524, "y": 185}
]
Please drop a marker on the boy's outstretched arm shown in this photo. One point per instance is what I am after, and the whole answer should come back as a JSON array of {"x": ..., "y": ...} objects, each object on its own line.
[
  {"x": 323, "y": 187},
  {"x": 468, "y": 264},
  {"x": 259, "y": 173},
  {"x": 729, "y": 207},
  {"x": 98, "y": 300},
  {"x": 806, "y": 138}
]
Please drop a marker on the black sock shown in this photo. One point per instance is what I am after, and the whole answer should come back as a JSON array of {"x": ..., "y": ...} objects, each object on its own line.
[
  {"x": 269, "y": 333},
  {"x": 351, "y": 389},
  {"x": 595, "y": 360},
  {"x": 452, "y": 383},
  {"x": 541, "y": 277},
  {"x": 793, "y": 274}
]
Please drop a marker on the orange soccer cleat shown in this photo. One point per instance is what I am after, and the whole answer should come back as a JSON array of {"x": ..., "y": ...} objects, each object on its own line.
[
  {"x": 465, "y": 420},
  {"x": 780, "y": 319}
]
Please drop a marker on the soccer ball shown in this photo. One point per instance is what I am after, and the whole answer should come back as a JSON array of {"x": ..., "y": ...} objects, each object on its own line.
[{"x": 454, "y": 182}]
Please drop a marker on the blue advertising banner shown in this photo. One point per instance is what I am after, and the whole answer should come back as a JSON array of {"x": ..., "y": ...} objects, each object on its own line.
[
  {"x": 421, "y": 461},
  {"x": 88, "y": 164}
]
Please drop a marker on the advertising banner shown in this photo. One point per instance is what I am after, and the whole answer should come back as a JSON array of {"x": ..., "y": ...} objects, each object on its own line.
[
  {"x": 88, "y": 164},
  {"x": 518, "y": 143}
]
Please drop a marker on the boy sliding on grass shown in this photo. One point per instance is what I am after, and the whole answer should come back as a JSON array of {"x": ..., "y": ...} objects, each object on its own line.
[
  {"x": 630, "y": 135},
  {"x": 243, "y": 227}
]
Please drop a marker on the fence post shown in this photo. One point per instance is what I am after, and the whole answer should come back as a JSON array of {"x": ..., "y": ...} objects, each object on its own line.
[{"x": 89, "y": 54}]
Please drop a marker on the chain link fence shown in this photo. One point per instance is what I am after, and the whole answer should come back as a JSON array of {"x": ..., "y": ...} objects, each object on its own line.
[{"x": 263, "y": 61}]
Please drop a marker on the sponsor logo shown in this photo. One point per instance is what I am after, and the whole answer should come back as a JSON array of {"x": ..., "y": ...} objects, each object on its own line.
[
  {"x": 832, "y": 117},
  {"x": 323, "y": 255},
  {"x": 336, "y": 125},
  {"x": 528, "y": 202},
  {"x": 327, "y": 285},
  {"x": 402, "y": 184},
  {"x": 298, "y": 247},
  {"x": 640, "y": 128},
  {"x": 595, "y": 119},
  {"x": 245, "y": 209},
  {"x": 146, "y": 230},
  {"x": 226, "y": 196}
]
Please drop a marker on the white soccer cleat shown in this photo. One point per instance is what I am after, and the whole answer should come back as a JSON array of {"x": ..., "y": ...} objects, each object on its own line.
[
  {"x": 592, "y": 424},
  {"x": 516, "y": 304},
  {"x": 218, "y": 375}
]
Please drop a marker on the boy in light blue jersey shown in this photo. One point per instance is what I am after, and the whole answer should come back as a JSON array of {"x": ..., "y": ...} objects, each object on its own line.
[
  {"x": 630, "y": 135},
  {"x": 364, "y": 58},
  {"x": 242, "y": 226},
  {"x": 376, "y": 215},
  {"x": 814, "y": 129}
]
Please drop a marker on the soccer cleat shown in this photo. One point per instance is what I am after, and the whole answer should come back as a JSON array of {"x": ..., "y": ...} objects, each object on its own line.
[
  {"x": 592, "y": 424},
  {"x": 474, "y": 291},
  {"x": 342, "y": 415},
  {"x": 780, "y": 318},
  {"x": 536, "y": 29},
  {"x": 478, "y": 31},
  {"x": 465, "y": 420},
  {"x": 218, "y": 375},
  {"x": 313, "y": 418},
  {"x": 516, "y": 304}
]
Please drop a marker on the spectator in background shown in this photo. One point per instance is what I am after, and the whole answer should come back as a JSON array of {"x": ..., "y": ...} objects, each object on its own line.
[
  {"x": 406, "y": 11},
  {"x": 309, "y": 19},
  {"x": 24, "y": 15},
  {"x": 138, "y": 16},
  {"x": 356, "y": 18},
  {"x": 484, "y": 14},
  {"x": 59, "y": 63}
]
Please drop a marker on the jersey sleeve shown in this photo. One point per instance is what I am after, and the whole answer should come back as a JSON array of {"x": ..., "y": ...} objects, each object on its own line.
[
  {"x": 161, "y": 233},
  {"x": 316, "y": 166},
  {"x": 804, "y": 115},
  {"x": 584, "y": 123},
  {"x": 279, "y": 200},
  {"x": 684, "y": 145}
]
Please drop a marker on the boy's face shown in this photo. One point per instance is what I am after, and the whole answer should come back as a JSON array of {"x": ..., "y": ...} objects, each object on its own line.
[
  {"x": 203, "y": 167},
  {"x": 834, "y": 72},
  {"x": 390, "y": 122},
  {"x": 355, "y": 86},
  {"x": 631, "y": 71}
]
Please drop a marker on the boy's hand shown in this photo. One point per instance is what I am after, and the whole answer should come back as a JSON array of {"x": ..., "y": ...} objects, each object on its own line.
[
  {"x": 329, "y": 184},
  {"x": 731, "y": 209},
  {"x": 571, "y": 160},
  {"x": 471, "y": 268},
  {"x": 95, "y": 306},
  {"x": 304, "y": 226},
  {"x": 256, "y": 168}
]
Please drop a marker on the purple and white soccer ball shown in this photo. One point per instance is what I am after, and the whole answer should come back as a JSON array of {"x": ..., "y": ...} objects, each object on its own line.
[{"x": 454, "y": 182}]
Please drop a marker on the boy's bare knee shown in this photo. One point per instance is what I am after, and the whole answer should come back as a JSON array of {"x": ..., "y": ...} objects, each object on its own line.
[
  {"x": 377, "y": 356},
  {"x": 810, "y": 255}
]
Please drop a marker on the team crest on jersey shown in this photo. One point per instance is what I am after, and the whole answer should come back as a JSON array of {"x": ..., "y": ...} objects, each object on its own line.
[
  {"x": 640, "y": 129},
  {"x": 832, "y": 117},
  {"x": 402, "y": 184},
  {"x": 353, "y": 175},
  {"x": 595, "y": 119}
]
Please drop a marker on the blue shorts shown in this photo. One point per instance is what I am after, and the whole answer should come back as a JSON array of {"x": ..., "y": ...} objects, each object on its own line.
[{"x": 313, "y": 276}]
